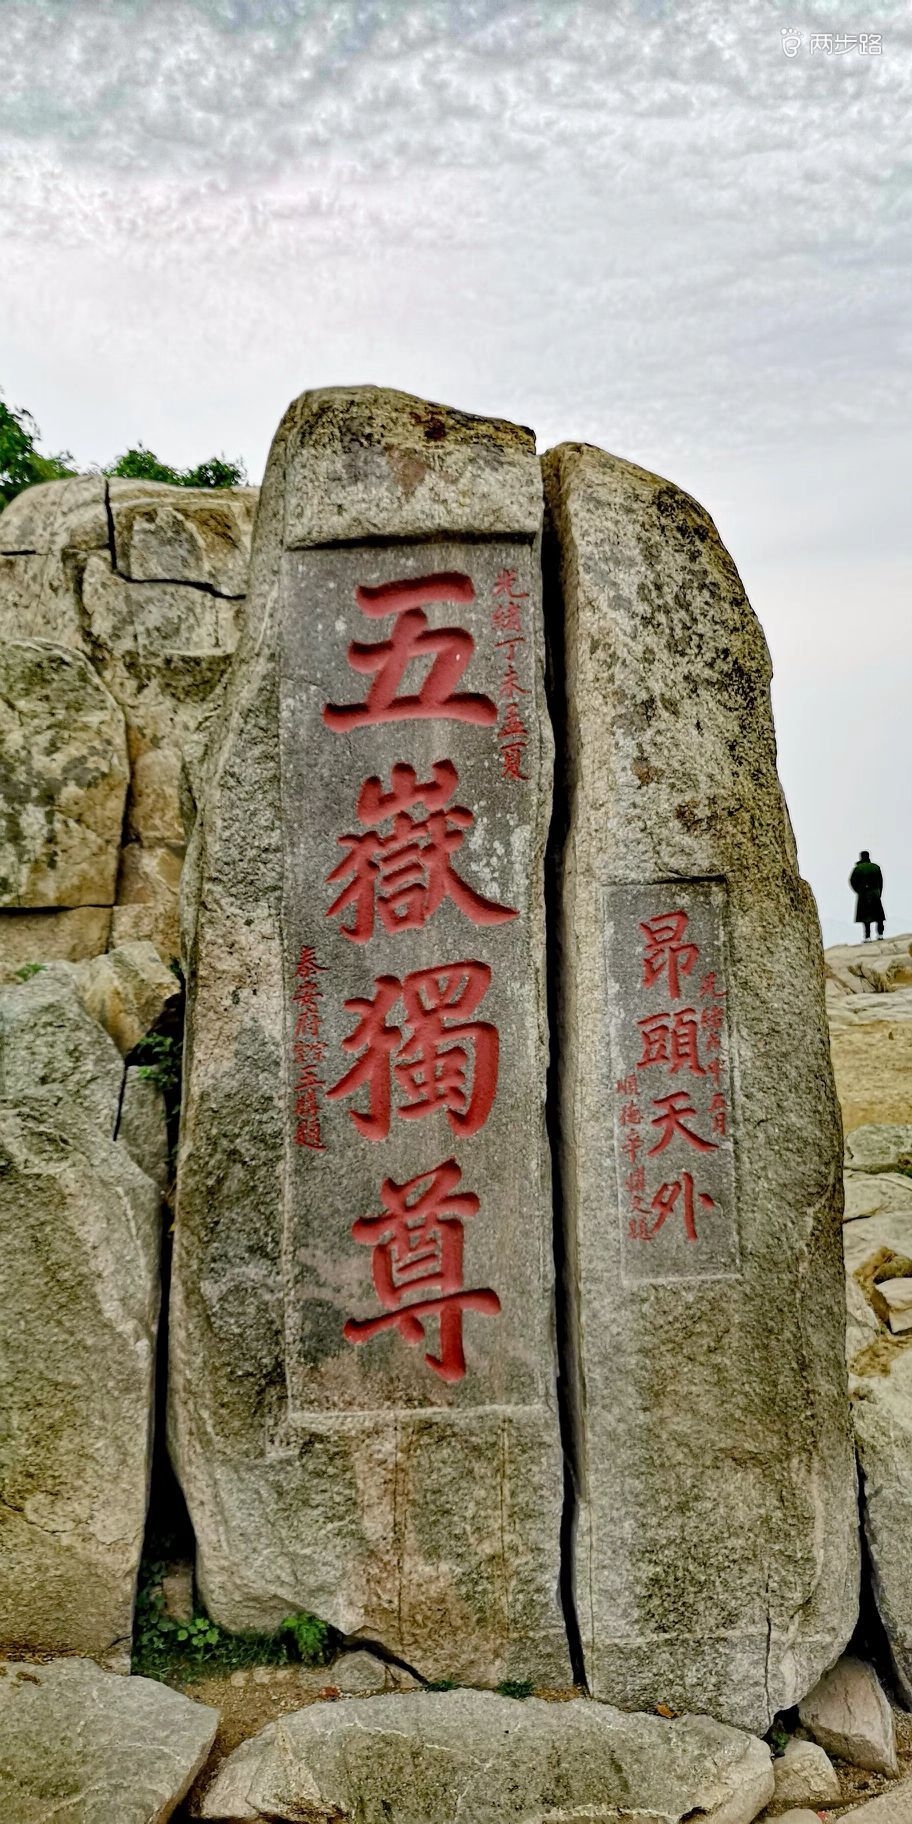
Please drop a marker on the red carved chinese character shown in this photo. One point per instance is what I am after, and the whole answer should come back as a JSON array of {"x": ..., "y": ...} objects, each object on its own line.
[
  {"x": 627, "y": 1086},
  {"x": 405, "y": 876},
  {"x": 506, "y": 615},
  {"x": 670, "y": 1118},
  {"x": 417, "y": 1244},
  {"x": 665, "y": 949},
  {"x": 632, "y": 1145},
  {"x": 444, "y": 1060},
  {"x": 671, "y": 1039},
  {"x": 709, "y": 989},
  {"x": 375, "y": 1041},
  {"x": 666, "y": 1198},
  {"x": 440, "y": 1044},
  {"x": 718, "y": 1109},
  {"x": 448, "y": 648},
  {"x": 630, "y": 1115}
]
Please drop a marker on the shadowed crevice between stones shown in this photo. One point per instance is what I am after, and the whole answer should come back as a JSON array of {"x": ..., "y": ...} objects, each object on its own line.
[{"x": 568, "y": 1390}]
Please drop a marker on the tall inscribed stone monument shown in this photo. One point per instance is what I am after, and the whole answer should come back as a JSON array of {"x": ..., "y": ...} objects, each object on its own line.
[
  {"x": 363, "y": 1405},
  {"x": 364, "y": 1376}
]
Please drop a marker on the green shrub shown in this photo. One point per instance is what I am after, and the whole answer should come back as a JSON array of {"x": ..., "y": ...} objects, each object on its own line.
[
  {"x": 21, "y": 464},
  {"x": 516, "y": 1687},
  {"x": 140, "y": 464}
]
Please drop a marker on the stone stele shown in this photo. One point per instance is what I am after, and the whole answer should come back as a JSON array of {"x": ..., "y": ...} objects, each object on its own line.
[
  {"x": 363, "y": 1376},
  {"x": 716, "y": 1551}
]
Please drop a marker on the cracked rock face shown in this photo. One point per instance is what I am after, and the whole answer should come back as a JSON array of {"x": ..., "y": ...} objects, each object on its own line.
[
  {"x": 849, "y": 1715},
  {"x": 475, "y": 1758},
  {"x": 716, "y": 1552},
  {"x": 401, "y": 1479},
  {"x": 79, "y": 1744},
  {"x": 147, "y": 582}
]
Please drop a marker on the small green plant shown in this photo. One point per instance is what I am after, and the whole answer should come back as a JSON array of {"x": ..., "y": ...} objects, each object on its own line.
[
  {"x": 28, "y": 970},
  {"x": 516, "y": 1687},
  {"x": 442, "y": 1684},
  {"x": 163, "y": 1647},
  {"x": 159, "y": 1060},
  {"x": 311, "y": 1636},
  {"x": 778, "y": 1737}
]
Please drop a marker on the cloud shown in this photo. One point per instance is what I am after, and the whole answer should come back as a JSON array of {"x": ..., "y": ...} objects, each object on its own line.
[{"x": 635, "y": 223}]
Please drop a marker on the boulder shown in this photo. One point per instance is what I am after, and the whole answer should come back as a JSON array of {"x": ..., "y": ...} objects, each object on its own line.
[
  {"x": 894, "y": 1807},
  {"x": 882, "y": 1410},
  {"x": 30, "y": 938},
  {"x": 63, "y": 779},
  {"x": 143, "y": 1126},
  {"x": 50, "y": 1045},
  {"x": 848, "y": 1714},
  {"x": 878, "y": 1147},
  {"x": 895, "y": 1295},
  {"x": 363, "y": 1407},
  {"x": 80, "y": 1745},
  {"x": 127, "y": 991},
  {"x": 439, "y": 1757},
  {"x": 716, "y": 1554},
  {"x": 47, "y": 535},
  {"x": 876, "y": 1194},
  {"x": 79, "y": 1240},
  {"x": 805, "y": 1775}
]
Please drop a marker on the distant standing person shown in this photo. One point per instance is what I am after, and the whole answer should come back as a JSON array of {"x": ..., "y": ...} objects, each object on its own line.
[{"x": 866, "y": 881}]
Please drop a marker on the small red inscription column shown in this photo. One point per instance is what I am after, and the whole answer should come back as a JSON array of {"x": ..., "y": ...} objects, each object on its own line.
[{"x": 672, "y": 1080}]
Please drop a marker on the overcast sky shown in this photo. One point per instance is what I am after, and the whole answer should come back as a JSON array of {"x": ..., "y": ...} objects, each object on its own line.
[{"x": 640, "y": 224}]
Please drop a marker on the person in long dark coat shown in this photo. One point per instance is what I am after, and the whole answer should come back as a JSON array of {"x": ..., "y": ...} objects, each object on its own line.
[{"x": 866, "y": 882}]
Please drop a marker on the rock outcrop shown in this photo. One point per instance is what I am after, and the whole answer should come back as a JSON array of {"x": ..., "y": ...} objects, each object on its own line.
[{"x": 140, "y": 587}]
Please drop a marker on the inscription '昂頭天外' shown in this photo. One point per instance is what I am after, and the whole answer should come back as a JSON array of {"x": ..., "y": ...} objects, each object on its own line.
[{"x": 671, "y": 1086}]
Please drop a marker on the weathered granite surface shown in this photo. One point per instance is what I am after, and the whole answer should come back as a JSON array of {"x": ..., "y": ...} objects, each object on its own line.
[
  {"x": 716, "y": 1552},
  {"x": 63, "y": 779},
  {"x": 84, "y": 1747},
  {"x": 363, "y": 1405},
  {"x": 470, "y": 1757},
  {"x": 80, "y": 1240}
]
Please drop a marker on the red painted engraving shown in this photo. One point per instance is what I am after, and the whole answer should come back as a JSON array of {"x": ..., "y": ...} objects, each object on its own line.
[
  {"x": 417, "y": 1265},
  {"x": 670, "y": 1119},
  {"x": 671, "y": 1039},
  {"x": 666, "y": 951},
  {"x": 448, "y": 648},
  {"x": 664, "y": 1204},
  {"x": 308, "y": 1051},
  {"x": 506, "y": 619},
  {"x": 443, "y": 1059},
  {"x": 403, "y": 877}
]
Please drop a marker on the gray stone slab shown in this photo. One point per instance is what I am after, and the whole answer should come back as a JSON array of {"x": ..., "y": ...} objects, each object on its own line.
[
  {"x": 363, "y": 1376},
  {"x": 716, "y": 1551},
  {"x": 470, "y": 1757}
]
